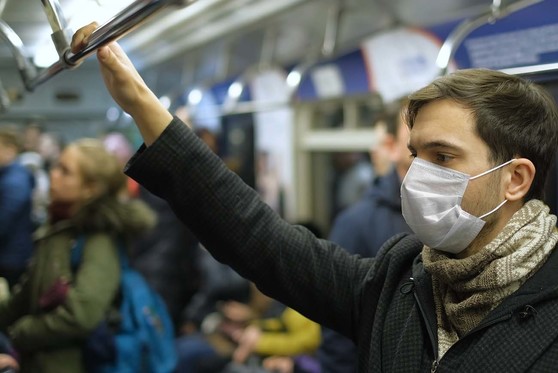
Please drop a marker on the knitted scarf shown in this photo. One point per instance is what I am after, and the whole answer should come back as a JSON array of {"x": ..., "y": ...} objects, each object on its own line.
[{"x": 466, "y": 290}]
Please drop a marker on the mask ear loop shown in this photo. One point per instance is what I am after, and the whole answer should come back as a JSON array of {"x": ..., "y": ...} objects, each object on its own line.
[
  {"x": 487, "y": 172},
  {"x": 492, "y": 169},
  {"x": 493, "y": 210}
]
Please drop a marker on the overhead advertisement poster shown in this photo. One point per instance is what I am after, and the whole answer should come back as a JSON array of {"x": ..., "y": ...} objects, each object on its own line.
[{"x": 400, "y": 61}]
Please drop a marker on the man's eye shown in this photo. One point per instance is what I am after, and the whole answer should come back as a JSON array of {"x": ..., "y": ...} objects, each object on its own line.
[{"x": 443, "y": 158}]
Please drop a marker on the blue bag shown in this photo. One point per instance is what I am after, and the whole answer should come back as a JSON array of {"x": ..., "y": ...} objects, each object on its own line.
[{"x": 143, "y": 339}]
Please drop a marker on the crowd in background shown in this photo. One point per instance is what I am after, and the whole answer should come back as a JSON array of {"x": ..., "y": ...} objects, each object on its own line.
[{"x": 222, "y": 322}]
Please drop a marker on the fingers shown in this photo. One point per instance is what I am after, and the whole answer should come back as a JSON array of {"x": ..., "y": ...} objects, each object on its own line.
[
  {"x": 81, "y": 36},
  {"x": 114, "y": 59},
  {"x": 8, "y": 361},
  {"x": 111, "y": 56},
  {"x": 241, "y": 354}
]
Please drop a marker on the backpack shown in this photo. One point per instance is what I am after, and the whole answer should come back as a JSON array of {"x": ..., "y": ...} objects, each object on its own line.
[{"x": 142, "y": 341}]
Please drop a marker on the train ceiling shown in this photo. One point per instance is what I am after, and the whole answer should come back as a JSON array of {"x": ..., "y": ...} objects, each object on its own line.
[{"x": 211, "y": 40}]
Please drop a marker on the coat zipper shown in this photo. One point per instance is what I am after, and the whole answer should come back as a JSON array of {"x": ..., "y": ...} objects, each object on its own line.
[
  {"x": 431, "y": 335},
  {"x": 434, "y": 366}
]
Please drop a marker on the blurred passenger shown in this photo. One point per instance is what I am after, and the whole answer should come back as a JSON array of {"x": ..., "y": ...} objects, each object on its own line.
[
  {"x": 8, "y": 356},
  {"x": 167, "y": 257},
  {"x": 224, "y": 304},
  {"x": 242, "y": 335},
  {"x": 352, "y": 177},
  {"x": 50, "y": 146},
  {"x": 54, "y": 307},
  {"x": 278, "y": 359},
  {"x": 32, "y": 133},
  {"x": 298, "y": 364},
  {"x": 364, "y": 227},
  {"x": 118, "y": 145},
  {"x": 16, "y": 191},
  {"x": 290, "y": 334},
  {"x": 218, "y": 283},
  {"x": 31, "y": 158},
  {"x": 35, "y": 164}
]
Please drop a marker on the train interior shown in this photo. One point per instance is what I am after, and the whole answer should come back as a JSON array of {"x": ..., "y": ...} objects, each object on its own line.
[{"x": 290, "y": 88}]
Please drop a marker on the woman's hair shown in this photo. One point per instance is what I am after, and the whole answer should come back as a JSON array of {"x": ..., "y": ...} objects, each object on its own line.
[
  {"x": 109, "y": 210},
  {"x": 99, "y": 167},
  {"x": 513, "y": 116}
]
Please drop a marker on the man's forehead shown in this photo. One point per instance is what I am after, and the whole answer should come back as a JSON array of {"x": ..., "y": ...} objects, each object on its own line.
[{"x": 449, "y": 130}]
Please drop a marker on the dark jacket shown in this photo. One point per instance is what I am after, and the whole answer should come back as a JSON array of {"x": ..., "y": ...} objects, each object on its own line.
[
  {"x": 362, "y": 229},
  {"x": 16, "y": 227},
  {"x": 384, "y": 304},
  {"x": 167, "y": 257}
]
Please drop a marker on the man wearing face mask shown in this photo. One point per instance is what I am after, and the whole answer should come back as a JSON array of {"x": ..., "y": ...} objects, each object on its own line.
[{"x": 482, "y": 297}]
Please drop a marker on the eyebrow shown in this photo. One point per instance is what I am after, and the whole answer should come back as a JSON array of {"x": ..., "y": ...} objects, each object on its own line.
[{"x": 436, "y": 145}]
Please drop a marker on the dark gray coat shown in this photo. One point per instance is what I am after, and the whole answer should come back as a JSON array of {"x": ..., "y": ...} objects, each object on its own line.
[{"x": 384, "y": 304}]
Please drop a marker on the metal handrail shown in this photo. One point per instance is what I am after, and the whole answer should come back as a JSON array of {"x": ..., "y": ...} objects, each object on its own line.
[
  {"x": 115, "y": 28},
  {"x": 26, "y": 69},
  {"x": 118, "y": 26},
  {"x": 61, "y": 34},
  {"x": 532, "y": 69},
  {"x": 329, "y": 44},
  {"x": 454, "y": 39}
]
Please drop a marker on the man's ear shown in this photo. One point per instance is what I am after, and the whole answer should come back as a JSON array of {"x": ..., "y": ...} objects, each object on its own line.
[{"x": 520, "y": 179}]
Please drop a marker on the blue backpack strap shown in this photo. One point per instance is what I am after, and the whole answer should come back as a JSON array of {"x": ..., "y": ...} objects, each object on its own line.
[
  {"x": 122, "y": 255},
  {"x": 77, "y": 252}
]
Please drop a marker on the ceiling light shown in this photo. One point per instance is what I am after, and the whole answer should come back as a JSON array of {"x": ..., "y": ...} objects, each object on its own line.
[{"x": 195, "y": 96}]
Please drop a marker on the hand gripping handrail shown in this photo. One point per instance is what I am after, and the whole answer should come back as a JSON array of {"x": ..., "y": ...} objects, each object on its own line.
[
  {"x": 115, "y": 28},
  {"x": 454, "y": 39}
]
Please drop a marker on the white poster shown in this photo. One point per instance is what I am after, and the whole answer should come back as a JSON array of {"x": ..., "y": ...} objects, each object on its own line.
[{"x": 401, "y": 61}]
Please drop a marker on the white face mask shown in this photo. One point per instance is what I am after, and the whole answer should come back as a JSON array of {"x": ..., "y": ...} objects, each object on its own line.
[{"x": 431, "y": 203}]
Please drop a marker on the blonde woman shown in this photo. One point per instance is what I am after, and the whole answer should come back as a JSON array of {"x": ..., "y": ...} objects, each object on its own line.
[{"x": 54, "y": 307}]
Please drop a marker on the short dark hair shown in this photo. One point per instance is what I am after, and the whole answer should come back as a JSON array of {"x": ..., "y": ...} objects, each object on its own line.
[
  {"x": 391, "y": 116},
  {"x": 514, "y": 117}
]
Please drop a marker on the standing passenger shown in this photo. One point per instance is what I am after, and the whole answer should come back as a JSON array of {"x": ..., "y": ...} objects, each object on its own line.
[
  {"x": 16, "y": 226},
  {"x": 474, "y": 290},
  {"x": 53, "y": 310}
]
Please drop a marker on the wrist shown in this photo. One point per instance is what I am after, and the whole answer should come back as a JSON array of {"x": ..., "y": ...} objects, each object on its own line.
[{"x": 151, "y": 117}]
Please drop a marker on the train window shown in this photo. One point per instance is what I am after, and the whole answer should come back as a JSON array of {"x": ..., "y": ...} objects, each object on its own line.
[
  {"x": 356, "y": 112},
  {"x": 328, "y": 115}
]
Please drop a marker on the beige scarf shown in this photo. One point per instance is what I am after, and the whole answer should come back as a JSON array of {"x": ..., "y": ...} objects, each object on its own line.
[{"x": 466, "y": 290}]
